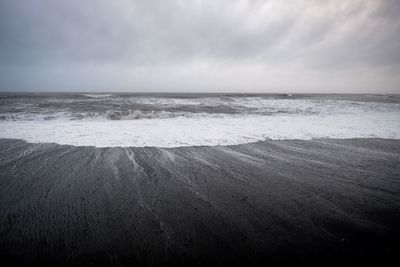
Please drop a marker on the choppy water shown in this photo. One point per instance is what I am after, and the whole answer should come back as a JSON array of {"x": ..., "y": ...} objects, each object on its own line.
[{"x": 170, "y": 120}]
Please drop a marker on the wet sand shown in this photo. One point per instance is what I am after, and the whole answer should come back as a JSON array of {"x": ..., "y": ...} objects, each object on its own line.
[{"x": 276, "y": 202}]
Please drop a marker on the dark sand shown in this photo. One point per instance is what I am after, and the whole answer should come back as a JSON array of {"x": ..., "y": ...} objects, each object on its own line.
[{"x": 320, "y": 201}]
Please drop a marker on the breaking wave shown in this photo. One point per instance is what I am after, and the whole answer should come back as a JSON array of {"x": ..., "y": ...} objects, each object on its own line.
[{"x": 139, "y": 115}]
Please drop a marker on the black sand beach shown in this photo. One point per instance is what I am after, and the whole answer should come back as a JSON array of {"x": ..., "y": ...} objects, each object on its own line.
[{"x": 320, "y": 201}]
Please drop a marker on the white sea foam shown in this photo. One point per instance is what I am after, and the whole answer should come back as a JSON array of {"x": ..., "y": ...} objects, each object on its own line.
[{"x": 203, "y": 131}]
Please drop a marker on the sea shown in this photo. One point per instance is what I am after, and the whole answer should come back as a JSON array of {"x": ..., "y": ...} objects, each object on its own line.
[{"x": 185, "y": 119}]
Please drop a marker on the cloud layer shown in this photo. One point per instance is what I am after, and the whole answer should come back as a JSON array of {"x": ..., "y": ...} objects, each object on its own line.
[{"x": 177, "y": 45}]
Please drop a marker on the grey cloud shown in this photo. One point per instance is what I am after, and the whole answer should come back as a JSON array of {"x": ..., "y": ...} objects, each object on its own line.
[{"x": 124, "y": 36}]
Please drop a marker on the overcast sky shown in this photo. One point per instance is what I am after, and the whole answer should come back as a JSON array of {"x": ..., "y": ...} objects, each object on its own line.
[{"x": 200, "y": 46}]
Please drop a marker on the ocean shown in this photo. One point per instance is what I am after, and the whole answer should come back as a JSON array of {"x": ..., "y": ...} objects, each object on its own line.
[{"x": 175, "y": 120}]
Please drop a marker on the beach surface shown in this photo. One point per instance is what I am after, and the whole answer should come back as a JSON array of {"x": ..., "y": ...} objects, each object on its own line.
[{"x": 320, "y": 201}]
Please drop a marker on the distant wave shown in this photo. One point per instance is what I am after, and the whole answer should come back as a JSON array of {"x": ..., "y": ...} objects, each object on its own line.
[{"x": 98, "y": 95}]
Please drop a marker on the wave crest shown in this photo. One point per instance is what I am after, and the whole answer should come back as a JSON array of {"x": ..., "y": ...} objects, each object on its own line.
[{"x": 139, "y": 114}]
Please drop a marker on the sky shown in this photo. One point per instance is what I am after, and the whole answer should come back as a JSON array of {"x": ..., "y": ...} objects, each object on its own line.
[{"x": 271, "y": 46}]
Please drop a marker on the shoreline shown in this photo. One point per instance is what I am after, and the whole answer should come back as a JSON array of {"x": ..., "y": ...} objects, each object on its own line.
[{"x": 316, "y": 201}]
